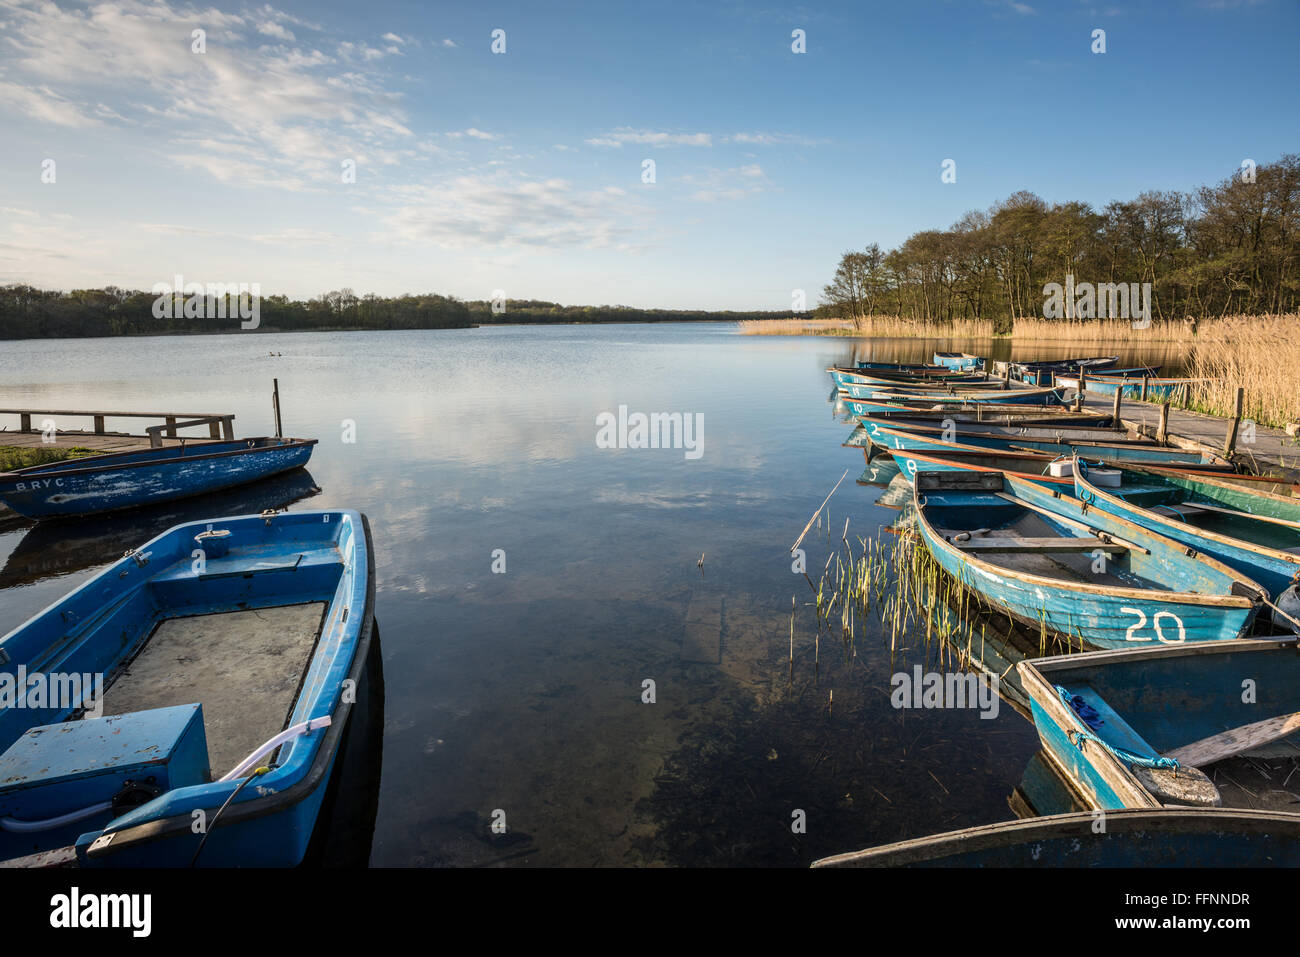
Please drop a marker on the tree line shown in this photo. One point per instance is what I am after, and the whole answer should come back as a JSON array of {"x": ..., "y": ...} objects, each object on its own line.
[
  {"x": 540, "y": 311},
  {"x": 1230, "y": 247},
  {"x": 30, "y": 313}
]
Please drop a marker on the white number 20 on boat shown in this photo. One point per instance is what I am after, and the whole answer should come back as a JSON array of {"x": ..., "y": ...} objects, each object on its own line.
[{"x": 1155, "y": 624}]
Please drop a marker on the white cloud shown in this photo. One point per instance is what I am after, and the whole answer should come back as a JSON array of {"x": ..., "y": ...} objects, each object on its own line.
[
  {"x": 245, "y": 113},
  {"x": 42, "y": 104},
  {"x": 273, "y": 29},
  {"x": 650, "y": 138},
  {"x": 503, "y": 210}
]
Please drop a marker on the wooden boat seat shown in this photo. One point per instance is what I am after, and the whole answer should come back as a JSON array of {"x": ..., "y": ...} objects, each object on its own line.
[
  {"x": 1008, "y": 544},
  {"x": 1188, "y": 786},
  {"x": 245, "y": 563}
]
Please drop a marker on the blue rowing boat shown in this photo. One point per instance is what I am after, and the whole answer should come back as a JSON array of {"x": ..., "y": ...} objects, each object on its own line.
[
  {"x": 957, "y": 397},
  {"x": 1050, "y": 562},
  {"x": 103, "y": 483},
  {"x": 958, "y": 360},
  {"x": 1025, "y": 465},
  {"x": 221, "y": 654},
  {"x": 978, "y": 413},
  {"x": 1135, "y": 838},
  {"x": 1251, "y": 530},
  {"x": 1156, "y": 725},
  {"x": 1156, "y": 389},
  {"x": 906, "y": 440},
  {"x": 845, "y": 376},
  {"x": 1041, "y": 372}
]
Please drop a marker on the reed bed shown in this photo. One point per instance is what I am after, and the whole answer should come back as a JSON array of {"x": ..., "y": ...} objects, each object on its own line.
[
  {"x": 1120, "y": 331},
  {"x": 895, "y": 580},
  {"x": 795, "y": 327},
  {"x": 1260, "y": 354}
]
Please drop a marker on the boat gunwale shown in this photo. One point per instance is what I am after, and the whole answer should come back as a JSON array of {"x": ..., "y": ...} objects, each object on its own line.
[
  {"x": 36, "y": 470},
  {"x": 1118, "y": 591},
  {"x": 1215, "y": 459},
  {"x": 1096, "y": 492},
  {"x": 934, "y": 847},
  {"x": 265, "y": 804},
  {"x": 1034, "y": 678}
]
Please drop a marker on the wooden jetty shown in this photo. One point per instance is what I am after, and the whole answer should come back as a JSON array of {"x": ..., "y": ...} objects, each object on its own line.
[
  {"x": 1264, "y": 450},
  {"x": 164, "y": 431}
]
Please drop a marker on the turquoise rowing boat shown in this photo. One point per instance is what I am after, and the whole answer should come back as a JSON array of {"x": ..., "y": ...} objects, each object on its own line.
[
  {"x": 1046, "y": 560},
  {"x": 1253, "y": 531},
  {"x": 1145, "y": 838},
  {"x": 1192, "y": 725},
  {"x": 958, "y": 360}
]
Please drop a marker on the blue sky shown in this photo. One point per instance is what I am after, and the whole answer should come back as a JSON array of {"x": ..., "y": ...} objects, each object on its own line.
[{"x": 522, "y": 171}]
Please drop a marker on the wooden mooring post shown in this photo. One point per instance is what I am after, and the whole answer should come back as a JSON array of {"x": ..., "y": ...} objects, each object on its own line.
[
  {"x": 1114, "y": 414},
  {"x": 1146, "y": 381},
  {"x": 1162, "y": 433},
  {"x": 1230, "y": 442},
  {"x": 275, "y": 401}
]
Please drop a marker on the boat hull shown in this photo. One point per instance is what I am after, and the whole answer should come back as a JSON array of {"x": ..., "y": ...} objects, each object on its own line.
[
  {"x": 1211, "y": 604},
  {"x": 1158, "y": 699},
  {"x": 1144, "y": 838},
  {"x": 130, "y": 480},
  {"x": 317, "y": 564},
  {"x": 1275, "y": 569}
]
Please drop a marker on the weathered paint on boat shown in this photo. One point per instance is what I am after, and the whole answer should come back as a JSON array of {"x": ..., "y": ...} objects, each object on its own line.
[
  {"x": 1252, "y": 540},
  {"x": 1134, "y": 838},
  {"x": 267, "y": 561},
  {"x": 1175, "y": 598},
  {"x": 119, "y": 480},
  {"x": 1152, "y": 700}
]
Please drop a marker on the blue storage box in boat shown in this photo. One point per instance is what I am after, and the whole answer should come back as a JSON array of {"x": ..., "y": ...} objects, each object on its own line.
[{"x": 121, "y": 759}]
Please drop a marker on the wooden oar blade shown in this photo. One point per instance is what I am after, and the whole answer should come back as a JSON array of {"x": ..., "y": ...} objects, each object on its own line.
[{"x": 1235, "y": 740}]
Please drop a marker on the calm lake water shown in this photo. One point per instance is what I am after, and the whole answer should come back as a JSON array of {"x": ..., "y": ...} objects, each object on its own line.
[{"x": 522, "y": 692}]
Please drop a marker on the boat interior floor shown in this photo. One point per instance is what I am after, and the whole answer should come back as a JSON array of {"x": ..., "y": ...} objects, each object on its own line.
[
  {"x": 1266, "y": 783},
  {"x": 244, "y": 667},
  {"x": 1068, "y": 566}
]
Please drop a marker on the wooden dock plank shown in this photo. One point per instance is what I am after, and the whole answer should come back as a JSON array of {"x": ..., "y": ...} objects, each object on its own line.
[
  {"x": 1267, "y": 450},
  {"x": 107, "y": 442}
]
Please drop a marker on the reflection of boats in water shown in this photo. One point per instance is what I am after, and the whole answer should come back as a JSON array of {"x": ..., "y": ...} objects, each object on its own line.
[
  {"x": 52, "y": 549},
  {"x": 1042, "y": 790},
  {"x": 345, "y": 827}
]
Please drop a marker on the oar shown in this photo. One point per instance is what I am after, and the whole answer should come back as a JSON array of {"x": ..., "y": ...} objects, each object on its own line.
[
  {"x": 1235, "y": 740},
  {"x": 1096, "y": 532}
]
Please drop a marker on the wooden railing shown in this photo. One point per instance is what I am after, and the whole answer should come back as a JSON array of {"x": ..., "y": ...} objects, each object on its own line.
[{"x": 219, "y": 425}]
